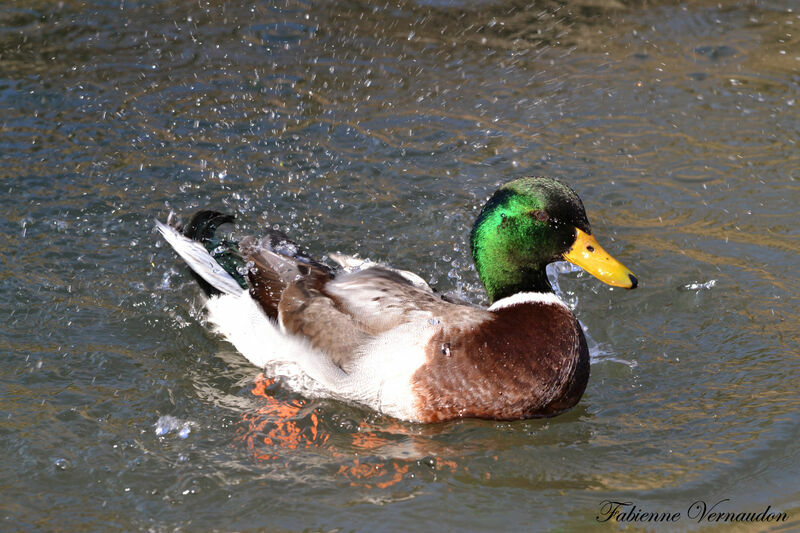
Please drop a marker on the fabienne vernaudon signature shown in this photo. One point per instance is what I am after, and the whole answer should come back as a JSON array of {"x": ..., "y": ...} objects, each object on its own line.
[{"x": 699, "y": 511}]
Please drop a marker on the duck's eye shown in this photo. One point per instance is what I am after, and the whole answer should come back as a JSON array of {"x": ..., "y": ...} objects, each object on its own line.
[
  {"x": 503, "y": 216},
  {"x": 541, "y": 216}
]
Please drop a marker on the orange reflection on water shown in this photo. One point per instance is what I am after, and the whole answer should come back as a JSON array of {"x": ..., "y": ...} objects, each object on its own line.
[
  {"x": 280, "y": 425},
  {"x": 382, "y": 475},
  {"x": 276, "y": 425}
]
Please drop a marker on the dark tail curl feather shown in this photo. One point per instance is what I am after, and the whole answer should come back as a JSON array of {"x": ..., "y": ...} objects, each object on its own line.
[{"x": 202, "y": 228}]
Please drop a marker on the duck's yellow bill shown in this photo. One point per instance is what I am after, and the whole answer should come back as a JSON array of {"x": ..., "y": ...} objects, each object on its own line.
[{"x": 591, "y": 257}]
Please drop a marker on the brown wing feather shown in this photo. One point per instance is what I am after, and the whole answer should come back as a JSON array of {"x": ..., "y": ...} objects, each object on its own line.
[
  {"x": 306, "y": 310},
  {"x": 269, "y": 273},
  {"x": 266, "y": 288},
  {"x": 381, "y": 299}
]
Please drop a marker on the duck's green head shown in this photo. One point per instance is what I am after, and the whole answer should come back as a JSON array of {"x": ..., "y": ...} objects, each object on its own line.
[{"x": 529, "y": 223}]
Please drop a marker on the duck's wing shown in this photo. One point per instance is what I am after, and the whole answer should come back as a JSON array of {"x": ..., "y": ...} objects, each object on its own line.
[
  {"x": 308, "y": 311},
  {"x": 381, "y": 299},
  {"x": 272, "y": 263},
  {"x": 351, "y": 263},
  {"x": 344, "y": 314}
]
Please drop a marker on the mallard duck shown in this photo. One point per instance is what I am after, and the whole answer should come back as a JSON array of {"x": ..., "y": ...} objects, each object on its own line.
[{"x": 382, "y": 338}]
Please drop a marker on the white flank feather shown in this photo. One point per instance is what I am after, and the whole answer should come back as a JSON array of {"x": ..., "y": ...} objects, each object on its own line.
[{"x": 382, "y": 379}]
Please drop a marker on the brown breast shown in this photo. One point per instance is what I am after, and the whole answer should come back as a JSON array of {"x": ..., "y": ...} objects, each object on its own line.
[{"x": 529, "y": 360}]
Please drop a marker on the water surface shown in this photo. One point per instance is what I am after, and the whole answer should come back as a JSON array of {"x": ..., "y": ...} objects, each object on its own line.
[{"x": 380, "y": 129}]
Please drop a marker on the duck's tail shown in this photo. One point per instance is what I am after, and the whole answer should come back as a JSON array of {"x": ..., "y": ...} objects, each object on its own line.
[
  {"x": 215, "y": 262},
  {"x": 264, "y": 266}
]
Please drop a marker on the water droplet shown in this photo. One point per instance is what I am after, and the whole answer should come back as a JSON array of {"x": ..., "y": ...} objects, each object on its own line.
[
  {"x": 168, "y": 424},
  {"x": 697, "y": 286}
]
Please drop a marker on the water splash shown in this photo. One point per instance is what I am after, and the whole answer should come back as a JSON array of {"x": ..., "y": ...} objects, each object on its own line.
[
  {"x": 697, "y": 286},
  {"x": 598, "y": 352},
  {"x": 554, "y": 270},
  {"x": 169, "y": 424}
]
